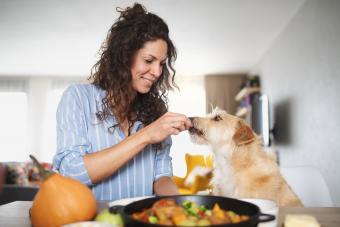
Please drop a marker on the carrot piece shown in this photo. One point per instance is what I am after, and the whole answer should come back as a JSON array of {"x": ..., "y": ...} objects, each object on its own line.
[{"x": 178, "y": 218}]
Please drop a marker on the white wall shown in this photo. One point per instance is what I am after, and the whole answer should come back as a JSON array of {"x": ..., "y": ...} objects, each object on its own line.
[{"x": 301, "y": 75}]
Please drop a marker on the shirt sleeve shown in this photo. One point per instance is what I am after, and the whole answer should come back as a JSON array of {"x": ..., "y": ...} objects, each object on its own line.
[
  {"x": 72, "y": 142},
  {"x": 163, "y": 166}
]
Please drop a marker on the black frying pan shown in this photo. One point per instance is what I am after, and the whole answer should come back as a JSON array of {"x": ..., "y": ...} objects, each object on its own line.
[{"x": 238, "y": 206}]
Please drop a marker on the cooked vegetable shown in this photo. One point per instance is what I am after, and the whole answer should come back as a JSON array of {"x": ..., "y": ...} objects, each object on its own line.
[
  {"x": 153, "y": 219},
  {"x": 112, "y": 218},
  {"x": 189, "y": 213}
]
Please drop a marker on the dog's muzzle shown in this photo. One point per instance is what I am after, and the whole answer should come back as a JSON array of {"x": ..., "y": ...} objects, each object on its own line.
[
  {"x": 196, "y": 131},
  {"x": 193, "y": 130}
]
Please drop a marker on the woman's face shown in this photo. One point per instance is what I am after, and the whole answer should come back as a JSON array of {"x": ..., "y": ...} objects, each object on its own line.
[{"x": 147, "y": 65}]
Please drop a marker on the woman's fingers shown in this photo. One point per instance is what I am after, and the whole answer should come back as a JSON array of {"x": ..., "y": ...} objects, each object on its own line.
[
  {"x": 183, "y": 122},
  {"x": 175, "y": 131},
  {"x": 180, "y": 125},
  {"x": 179, "y": 121},
  {"x": 166, "y": 125}
]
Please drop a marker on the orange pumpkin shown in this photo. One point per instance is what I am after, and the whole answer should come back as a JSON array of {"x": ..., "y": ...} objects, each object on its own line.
[{"x": 61, "y": 200}]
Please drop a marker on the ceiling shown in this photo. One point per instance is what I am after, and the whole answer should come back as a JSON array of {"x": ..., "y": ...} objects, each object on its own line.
[{"x": 62, "y": 37}]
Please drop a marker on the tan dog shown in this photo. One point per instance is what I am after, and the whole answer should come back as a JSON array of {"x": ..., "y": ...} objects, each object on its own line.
[{"x": 242, "y": 169}]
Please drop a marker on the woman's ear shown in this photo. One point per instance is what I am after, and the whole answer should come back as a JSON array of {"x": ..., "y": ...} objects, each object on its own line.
[{"x": 243, "y": 134}]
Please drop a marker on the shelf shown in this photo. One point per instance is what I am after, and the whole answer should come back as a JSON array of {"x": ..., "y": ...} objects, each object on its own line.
[
  {"x": 245, "y": 92},
  {"x": 242, "y": 112}
]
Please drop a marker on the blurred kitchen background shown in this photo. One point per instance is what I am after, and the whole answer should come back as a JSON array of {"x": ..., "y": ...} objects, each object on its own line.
[{"x": 289, "y": 50}]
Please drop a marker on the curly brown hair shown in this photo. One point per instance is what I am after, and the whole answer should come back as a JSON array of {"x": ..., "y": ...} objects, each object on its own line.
[{"x": 112, "y": 73}]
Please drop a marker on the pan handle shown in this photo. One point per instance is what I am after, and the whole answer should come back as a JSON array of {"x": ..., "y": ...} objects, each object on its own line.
[
  {"x": 265, "y": 217},
  {"x": 116, "y": 209}
]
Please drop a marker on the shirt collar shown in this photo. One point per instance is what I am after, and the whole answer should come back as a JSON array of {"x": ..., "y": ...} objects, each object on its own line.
[{"x": 100, "y": 94}]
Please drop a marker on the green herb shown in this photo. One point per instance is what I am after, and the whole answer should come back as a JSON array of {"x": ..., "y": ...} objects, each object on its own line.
[{"x": 186, "y": 204}]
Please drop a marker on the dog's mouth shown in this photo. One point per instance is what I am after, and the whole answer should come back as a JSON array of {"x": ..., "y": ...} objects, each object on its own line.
[{"x": 195, "y": 131}]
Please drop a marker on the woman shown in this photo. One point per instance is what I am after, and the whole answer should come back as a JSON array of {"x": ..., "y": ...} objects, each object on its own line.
[{"x": 114, "y": 134}]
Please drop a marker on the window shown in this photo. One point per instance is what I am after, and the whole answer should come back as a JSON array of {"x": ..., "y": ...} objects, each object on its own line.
[
  {"x": 13, "y": 120},
  {"x": 13, "y": 125}
]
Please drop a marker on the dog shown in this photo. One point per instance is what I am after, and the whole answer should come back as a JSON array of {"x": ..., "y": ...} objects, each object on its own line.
[{"x": 242, "y": 168}]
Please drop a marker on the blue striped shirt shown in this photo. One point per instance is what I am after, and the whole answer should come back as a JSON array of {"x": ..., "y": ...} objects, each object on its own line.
[{"x": 80, "y": 132}]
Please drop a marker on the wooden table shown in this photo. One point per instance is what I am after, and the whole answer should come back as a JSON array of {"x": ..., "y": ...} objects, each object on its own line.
[{"x": 15, "y": 214}]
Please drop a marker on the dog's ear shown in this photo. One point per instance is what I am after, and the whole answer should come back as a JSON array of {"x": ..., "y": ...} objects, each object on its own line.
[{"x": 243, "y": 134}]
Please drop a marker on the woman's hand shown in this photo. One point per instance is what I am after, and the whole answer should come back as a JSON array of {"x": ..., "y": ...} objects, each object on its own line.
[{"x": 166, "y": 125}]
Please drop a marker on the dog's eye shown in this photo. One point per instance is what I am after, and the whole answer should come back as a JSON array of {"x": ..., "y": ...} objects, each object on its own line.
[{"x": 217, "y": 118}]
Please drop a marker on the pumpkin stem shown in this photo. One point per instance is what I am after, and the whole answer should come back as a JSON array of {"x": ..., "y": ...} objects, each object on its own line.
[{"x": 42, "y": 172}]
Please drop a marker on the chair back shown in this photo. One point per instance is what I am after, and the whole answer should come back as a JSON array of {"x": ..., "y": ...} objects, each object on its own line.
[
  {"x": 309, "y": 184},
  {"x": 193, "y": 160}
]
